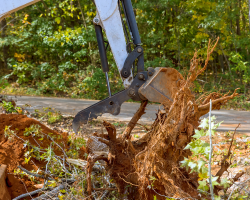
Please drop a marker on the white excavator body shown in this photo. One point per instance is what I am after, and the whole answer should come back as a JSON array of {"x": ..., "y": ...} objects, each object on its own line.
[{"x": 9, "y": 6}]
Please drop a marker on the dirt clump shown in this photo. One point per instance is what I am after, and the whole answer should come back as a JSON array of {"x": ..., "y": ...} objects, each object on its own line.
[{"x": 12, "y": 151}]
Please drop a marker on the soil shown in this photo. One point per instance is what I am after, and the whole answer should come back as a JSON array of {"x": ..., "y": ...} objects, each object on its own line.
[{"x": 12, "y": 152}]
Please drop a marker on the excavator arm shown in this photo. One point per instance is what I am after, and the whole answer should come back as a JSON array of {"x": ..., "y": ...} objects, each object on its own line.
[
  {"x": 155, "y": 84},
  {"x": 7, "y": 7}
]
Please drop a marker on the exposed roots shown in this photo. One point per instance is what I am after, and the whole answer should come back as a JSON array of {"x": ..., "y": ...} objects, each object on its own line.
[{"x": 150, "y": 165}]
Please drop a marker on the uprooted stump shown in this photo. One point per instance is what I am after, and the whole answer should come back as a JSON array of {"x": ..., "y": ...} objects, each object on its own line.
[{"x": 150, "y": 166}]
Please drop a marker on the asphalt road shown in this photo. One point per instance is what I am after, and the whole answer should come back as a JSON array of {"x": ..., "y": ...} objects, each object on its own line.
[{"x": 231, "y": 118}]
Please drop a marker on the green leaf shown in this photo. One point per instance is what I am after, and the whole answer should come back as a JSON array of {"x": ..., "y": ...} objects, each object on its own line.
[
  {"x": 203, "y": 185},
  {"x": 152, "y": 178},
  {"x": 214, "y": 180},
  {"x": 26, "y": 160},
  {"x": 192, "y": 165},
  {"x": 58, "y": 20},
  {"x": 204, "y": 123},
  {"x": 63, "y": 191},
  {"x": 201, "y": 163},
  {"x": 217, "y": 197},
  {"x": 225, "y": 182}
]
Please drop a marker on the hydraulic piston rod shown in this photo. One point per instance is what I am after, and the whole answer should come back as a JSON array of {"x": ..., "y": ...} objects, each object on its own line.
[{"x": 103, "y": 56}]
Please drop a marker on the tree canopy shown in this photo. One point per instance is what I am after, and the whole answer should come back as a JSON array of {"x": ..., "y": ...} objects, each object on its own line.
[{"x": 50, "y": 47}]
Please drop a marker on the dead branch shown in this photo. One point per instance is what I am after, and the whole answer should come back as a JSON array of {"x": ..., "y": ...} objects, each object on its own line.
[
  {"x": 101, "y": 189},
  {"x": 195, "y": 62},
  {"x": 91, "y": 162},
  {"x": 52, "y": 193},
  {"x": 103, "y": 141},
  {"x": 229, "y": 150},
  {"x": 29, "y": 194},
  {"x": 203, "y": 109},
  {"x": 33, "y": 174},
  {"x": 225, "y": 165},
  {"x": 233, "y": 180}
]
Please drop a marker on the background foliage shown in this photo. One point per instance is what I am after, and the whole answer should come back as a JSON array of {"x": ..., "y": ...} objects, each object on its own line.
[{"x": 50, "y": 48}]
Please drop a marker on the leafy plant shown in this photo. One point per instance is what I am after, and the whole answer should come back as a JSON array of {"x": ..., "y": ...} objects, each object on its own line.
[
  {"x": 76, "y": 144},
  {"x": 198, "y": 161},
  {"x": 9, "y": 133},
  {"x": 119, "y": 124},
  {"x": 9, "y": 107},
  {"x": 241, "y": 66},
  {"x": 54, "y": 117},
  {"x": 3, "y": 83},
  {"x": 34, "y": 130}
]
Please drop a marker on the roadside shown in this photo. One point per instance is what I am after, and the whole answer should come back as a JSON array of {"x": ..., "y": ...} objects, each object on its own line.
[
  {"x": 71, "y": 107},
  {"x": 240, "y": 103}
]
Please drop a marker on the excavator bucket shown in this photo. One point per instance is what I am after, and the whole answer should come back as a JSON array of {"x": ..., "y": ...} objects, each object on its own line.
[{"x": 162, "y": 85}]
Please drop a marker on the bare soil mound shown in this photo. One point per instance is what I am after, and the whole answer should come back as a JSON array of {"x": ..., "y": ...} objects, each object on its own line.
[{"x": 12, "y": 152}]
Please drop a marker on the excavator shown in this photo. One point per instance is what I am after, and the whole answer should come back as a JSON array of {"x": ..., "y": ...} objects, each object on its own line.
[{"x": 154, "y": 84}]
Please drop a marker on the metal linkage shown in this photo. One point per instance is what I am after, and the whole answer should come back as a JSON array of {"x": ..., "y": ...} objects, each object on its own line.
[
  {"x": 136, "y": 53},
  {"x": 135, "y": 36}
]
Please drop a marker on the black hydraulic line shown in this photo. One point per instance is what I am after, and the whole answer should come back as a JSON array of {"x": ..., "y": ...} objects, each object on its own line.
[
  {"x": 126, "y": 20},
  {"x": 131, "y": 21},
  {"x": 128, "y": 47},
  {"x": 123, "y": 25},
  {"x": 107, "y": 45},
  {"x": 101, "y": 46},
  {"x": 103, "y": 55}
]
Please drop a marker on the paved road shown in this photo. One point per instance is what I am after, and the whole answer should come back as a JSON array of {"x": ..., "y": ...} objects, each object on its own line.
[{"x": 231, "y": 118}]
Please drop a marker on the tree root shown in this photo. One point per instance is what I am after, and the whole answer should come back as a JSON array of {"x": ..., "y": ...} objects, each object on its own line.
[
  {"x": 134, "y": 120},
  {"x": 90, "y": 164},
  {"x": 151, "y": 164}
]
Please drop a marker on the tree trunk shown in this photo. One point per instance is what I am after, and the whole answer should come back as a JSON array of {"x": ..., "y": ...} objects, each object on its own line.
[
  {"x": 221, "y": 63},
  {"x": 238, "y": 19},
  {"x": 5, "y": 47},
  {"x": 229, "y": 68},
  {"x": 215, "y": 71},
  {"x": 238, "y": 31},
  {"x": 243, "y": 17},
  {"x": 231, "y": 26},
  {"x": 249, "y": 13}
]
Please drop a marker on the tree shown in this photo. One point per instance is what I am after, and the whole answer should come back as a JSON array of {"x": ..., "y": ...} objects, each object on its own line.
[{"x": 3, "y": 64}]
